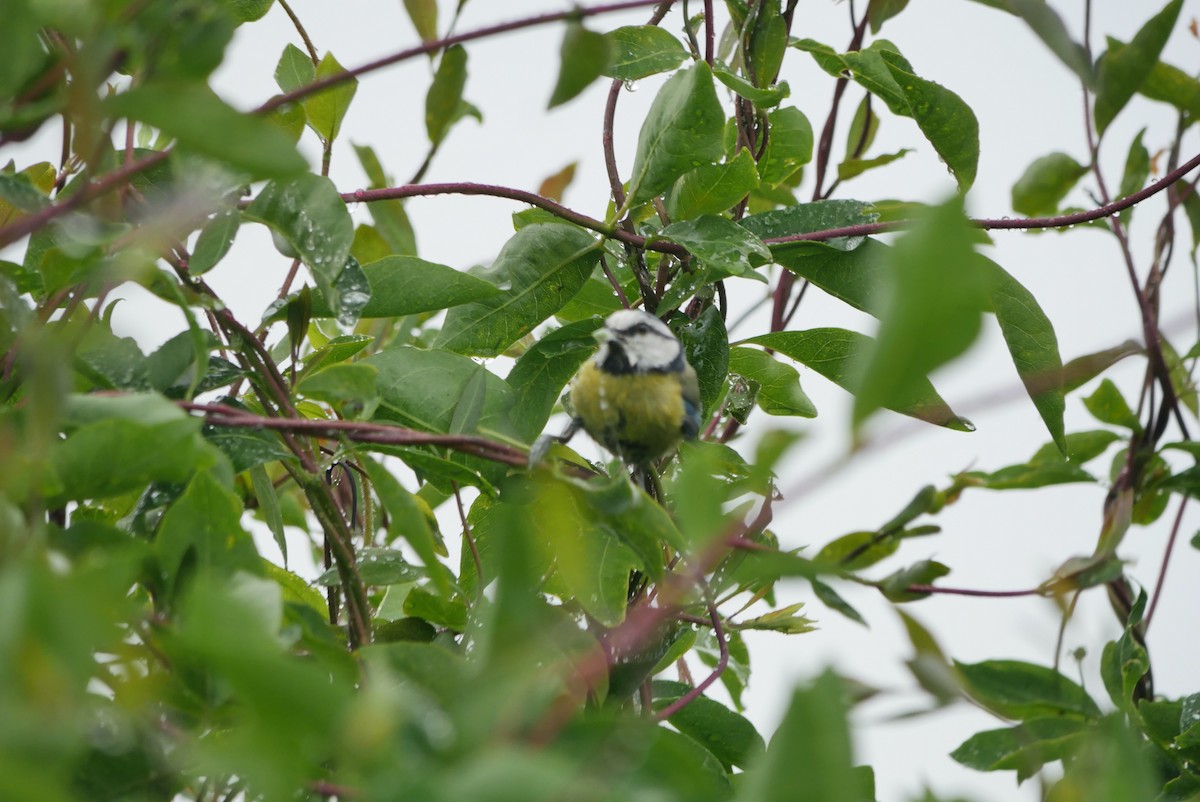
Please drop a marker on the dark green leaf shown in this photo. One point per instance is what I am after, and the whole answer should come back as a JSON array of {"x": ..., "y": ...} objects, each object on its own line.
[
  {"x": 789, "y": 146},
  {"x": 779, "y": 392},
  {"x": 730, "y": 737},
  {"x": 1123, "y": 71},
  {"x": 807, "y": 218},
  {"x": 326, "y": 109},
  {"x": 214, "y": 241},
  {"x": 1032, "y": 344},
  {"x": 947, "y": 122},
  {"x": 643, "y": 50},
  {"x": 309, "y": 215},
  {"x": 1044, "y": 184},
  {"x": 721, "y": 245},
  {"x": 833, "y": 600},
  {"x": 445, "y": 93},
  {"x": 706, "y": 346},
  {"x": 246, "y": 447},
  {"x": 1124, "y": 661},
  {"x": 406, "y": 285},
  {"x": 712, "y": 188},
  {"x": 421, "y": 388},
  {"x": 377, "y": 567},
  {"x": 862, "y": 131},
  {"x": 1082, "y": 369},
  {"x": 939, "y": 292},
  {"x": 1025, "y": 691},
  {"x": 763, "y": 98},
  {"x": 1024, "y": 748},
  {"x": 249, "y": 10},
  {"x": 585, "y": 56},
  {"x": 201, "y": 121},
  {"x": 542, "y": 267},
  {"x": 449, "y": 613},
  {"x": 837, "y": 354},
  {"x": 682, "y": 131},
  {"x": 540, "y": 374},
  {"x": 20, "y": 43}
]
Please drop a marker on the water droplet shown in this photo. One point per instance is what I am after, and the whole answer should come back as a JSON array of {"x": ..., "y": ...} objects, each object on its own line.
[{"x": 631, "y": 85}]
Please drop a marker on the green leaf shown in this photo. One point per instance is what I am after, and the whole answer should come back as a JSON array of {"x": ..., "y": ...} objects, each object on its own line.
[
  {"x": 1122, "y": 71},
  {"x": 268, "y": 504},
  {"x": 833, "y": 600},
  {"x": 112, "y": 456},
  {"x": 1124, "y": 661},
  {"x": 806, "y": 218},
  {"x": 933, "y": 315},
  {"x": 407, "y": 519},
  {"x": 789, "y": 146},
  {"x": 682, "y": 131},
  {"x": 1049, "y": 27},
  {"x": 349, "y": 388},
  {"x": 424, "y": 16},
  {"x": 786, "y": 621},
  {"x": 1044, "y": 184},
  {"x": 896, "y": 587},
  {"x": 863, "y": 128},
  {"x": 389, "y": 216},
  {"x": 202, "y": 122},
  {"x": 214, "y": 241},
  {"x": 294, "y": 69},
  {"x": 336, "y": 350},
  {"x": 585, "y": 56},
  {"x": 406, "y": 285},
  {"x": 1107, "y": 405},
  {"x": 246, "y": 447},
  {"x": 851, "y": 168},
  {"x": 947, "y": 122},
  {"x": 540, "y": 374},
  {"x": 326, "y": 109},
  {"x": 1032, "y": 344},
  {"x": 880, "y": 11},
  {"x": 730, "y": 737},
  {"x": 1024, "y": 748},
  {"x": 377, "y": 568},
  {"x": 542, "y": 267},
  {"x": 19, "y": 41},
  {"x": 712, "y": 188},
  {"x": 1169, "y": 84},
  {"x": 1019, "y": 690},
  {"x": 1137, "y": 167},
  {"x": 706, "y": 346},
  {"x": 762, "y": 98},
  {"x": 640, "y": 51},
  {"x": 721, "y": 245},
  {"x": 445, "y": 93},
  {"x": 1082, "y": 369},
  {"x": 837, "y": 355},
  {"x": 202, "y": 531},
  {"x": 779, "y": 391},
  {"x": 422, "y": 388},
  {"x": 308, "y": 213},
  {"x": 812, "y": 742},
  {"x": 249, "y": 10},
  {"x": 449, "y": 613}
]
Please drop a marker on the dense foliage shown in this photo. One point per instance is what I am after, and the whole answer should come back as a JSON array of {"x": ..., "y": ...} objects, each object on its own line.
[{"x": 487, "y": 629}]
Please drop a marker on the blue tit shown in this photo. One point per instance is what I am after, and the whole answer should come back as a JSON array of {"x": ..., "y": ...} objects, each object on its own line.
[{"x": 637, "y": 396}]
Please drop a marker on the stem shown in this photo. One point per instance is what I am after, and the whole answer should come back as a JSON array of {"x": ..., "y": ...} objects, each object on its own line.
[
  {"x": 1162, "y": 571},
  {"x": 710, "y": 32},
  {"x": 312, "y": 51},
  {"x": 438, "y": 44},
  {"x": 718, "y": 670}
]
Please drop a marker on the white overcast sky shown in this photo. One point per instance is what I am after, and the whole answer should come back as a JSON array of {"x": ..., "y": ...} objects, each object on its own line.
[{"x": 1028, "y": 105}]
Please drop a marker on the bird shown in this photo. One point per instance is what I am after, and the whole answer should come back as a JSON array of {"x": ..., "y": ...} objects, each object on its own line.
[{"x": 637, "y": 395}]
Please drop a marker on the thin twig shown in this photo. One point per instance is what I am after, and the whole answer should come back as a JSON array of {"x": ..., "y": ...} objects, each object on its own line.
[
  {"x": 718, "y": 669},
  {"x": 1162, "y": 571}
]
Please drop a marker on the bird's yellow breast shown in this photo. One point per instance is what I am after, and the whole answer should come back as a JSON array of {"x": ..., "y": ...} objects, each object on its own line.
[{"x": 638, "y": 416}]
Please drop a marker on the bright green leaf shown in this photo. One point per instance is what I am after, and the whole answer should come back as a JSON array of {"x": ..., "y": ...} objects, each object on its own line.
[
  {"x": 640, "y": 51},
  {"x": 712, "y": 188},
  {"x": 1044, "y": 184}
]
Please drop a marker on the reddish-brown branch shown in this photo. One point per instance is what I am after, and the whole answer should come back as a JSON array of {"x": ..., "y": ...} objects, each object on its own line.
[
  {"x": 362, "y": 432},
  {"x": 438, "y": 44},
  {"x": 989, "y": 594}
]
